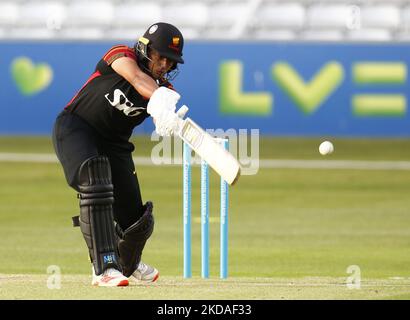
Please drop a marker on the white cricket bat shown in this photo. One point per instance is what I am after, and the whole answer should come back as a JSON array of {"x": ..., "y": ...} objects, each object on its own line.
[{"x": 223, "y": 162}]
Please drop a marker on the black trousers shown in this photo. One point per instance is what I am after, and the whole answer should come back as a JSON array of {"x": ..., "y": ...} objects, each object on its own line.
[{"x": 75, "y": 141}]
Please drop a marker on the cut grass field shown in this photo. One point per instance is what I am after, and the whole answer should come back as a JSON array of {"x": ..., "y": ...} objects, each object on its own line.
[
  {"x": 293, "y": 232},
  {"x": 78, "y": 287}
]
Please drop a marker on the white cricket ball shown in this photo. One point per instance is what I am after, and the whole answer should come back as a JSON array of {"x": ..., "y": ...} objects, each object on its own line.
[{"x": 326, "y": 147}]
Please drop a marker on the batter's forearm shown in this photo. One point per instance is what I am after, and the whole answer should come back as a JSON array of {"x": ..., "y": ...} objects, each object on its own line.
[
  {"x": 129, "y": 70},
  {"x": 144, "y": 84}
]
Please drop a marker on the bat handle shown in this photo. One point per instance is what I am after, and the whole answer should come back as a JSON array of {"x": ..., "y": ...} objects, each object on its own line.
[{"x": 182, "y": 111}]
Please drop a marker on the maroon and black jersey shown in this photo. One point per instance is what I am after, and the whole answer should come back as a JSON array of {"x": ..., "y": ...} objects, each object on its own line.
[{"x": 108, "y": 102}]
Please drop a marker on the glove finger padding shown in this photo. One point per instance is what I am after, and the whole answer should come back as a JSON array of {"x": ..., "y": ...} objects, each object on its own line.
[
  {"x": 167, "y": 124},
  {"x": 163, "y": 99},
  {"x": 131, "y": 242}
]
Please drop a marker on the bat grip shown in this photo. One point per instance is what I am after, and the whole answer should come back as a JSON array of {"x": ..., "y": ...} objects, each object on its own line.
[{"x": 182, "y": 111}]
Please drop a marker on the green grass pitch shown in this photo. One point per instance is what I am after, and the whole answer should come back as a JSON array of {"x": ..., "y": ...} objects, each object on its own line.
[{"x": 292, "y": 232}]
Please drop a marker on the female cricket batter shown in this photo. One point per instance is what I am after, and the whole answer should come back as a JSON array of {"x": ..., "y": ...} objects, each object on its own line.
[{"x": 91, "y": 140}]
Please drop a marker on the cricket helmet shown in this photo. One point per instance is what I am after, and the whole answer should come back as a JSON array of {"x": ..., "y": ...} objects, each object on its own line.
[{"x": 164, "y": 38}]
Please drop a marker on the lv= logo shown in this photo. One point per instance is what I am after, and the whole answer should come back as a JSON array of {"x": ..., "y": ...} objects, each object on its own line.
[{"x": 309, "y": 95}]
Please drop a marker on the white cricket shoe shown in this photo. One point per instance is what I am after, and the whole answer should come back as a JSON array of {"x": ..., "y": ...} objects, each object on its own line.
[
  {"x": 144, "y": 273},
  {"x": 110, "y": 278}
]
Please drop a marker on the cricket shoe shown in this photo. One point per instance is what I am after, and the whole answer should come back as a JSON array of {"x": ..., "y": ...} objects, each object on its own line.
[
  {"x": 110, "y": 278},
  {"x": 144, "y": 273}
]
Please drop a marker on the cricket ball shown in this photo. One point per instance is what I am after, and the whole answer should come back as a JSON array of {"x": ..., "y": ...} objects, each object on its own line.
[{"x": 326, "y": 147}]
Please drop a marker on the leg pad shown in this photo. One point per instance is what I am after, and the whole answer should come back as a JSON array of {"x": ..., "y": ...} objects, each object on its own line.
[
  {"x": 96, "y": 213},
  {"x": 132, "y": 241}
]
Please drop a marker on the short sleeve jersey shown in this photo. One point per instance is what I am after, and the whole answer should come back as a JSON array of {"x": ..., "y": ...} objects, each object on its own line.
[{"x": 108, "y": 102}]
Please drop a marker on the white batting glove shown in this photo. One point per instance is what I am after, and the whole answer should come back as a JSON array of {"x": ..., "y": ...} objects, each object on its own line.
[
  {"x": 163, "y": 99},
  {"x": 167, "y": 124}
]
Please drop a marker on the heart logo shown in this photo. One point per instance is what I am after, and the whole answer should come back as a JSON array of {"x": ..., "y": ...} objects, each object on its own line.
[{"x": 30, "y": 78}]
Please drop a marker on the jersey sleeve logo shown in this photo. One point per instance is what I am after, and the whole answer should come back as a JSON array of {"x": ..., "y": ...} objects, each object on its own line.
[{"x": 121, "y": 102}]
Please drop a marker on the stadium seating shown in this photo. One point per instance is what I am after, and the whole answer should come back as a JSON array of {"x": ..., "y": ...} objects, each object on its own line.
[
  {"x": 279, "y": 15},
  {"x": 134, "y": 14},
  {"x": 187, "y": 14},
  {"x": 90, "y": 13},
  {"x": 369, "y": 35},
  {"x": 8, "y": 14},
  {"x": 293, "y": 20},
  {"x": 405, "y": 23},
  {"x": 275, "y": 35},
  {"x": 224, "y": 15},
  {"x": 380, "y": 16},
  {"x": 321, "y": 35},
  {"x": 329, "y": 16},
  {"x": 42, "y": 14}
]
